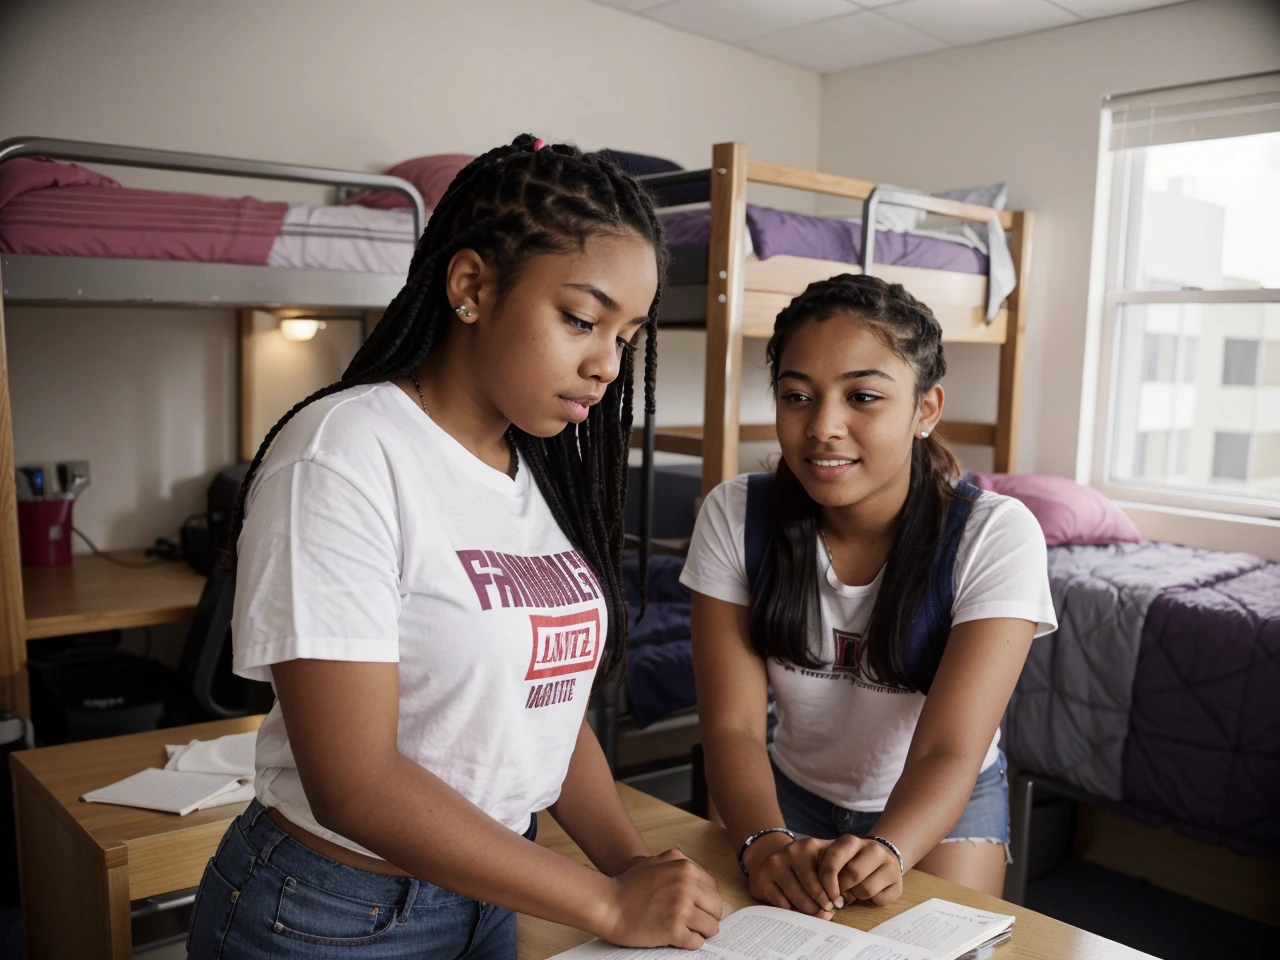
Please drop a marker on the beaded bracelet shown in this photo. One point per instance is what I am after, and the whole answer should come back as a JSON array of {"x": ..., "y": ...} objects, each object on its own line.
[
  {"x": 756, "y": 836},
  {"x": 892, "y": 849}
]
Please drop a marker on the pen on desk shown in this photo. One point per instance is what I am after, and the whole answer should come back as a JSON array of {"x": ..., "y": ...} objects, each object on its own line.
[{"x": 984, "y": 950}]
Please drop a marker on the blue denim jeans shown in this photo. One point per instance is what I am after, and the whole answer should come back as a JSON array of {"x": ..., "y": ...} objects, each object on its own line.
[
  {"x": 265, "y": 895},
  {"x": 985, "y": 817}
]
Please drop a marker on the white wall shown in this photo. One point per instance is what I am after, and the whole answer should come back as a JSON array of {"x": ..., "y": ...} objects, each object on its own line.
[
  {"x": 323, "y": 82},
  {"x": 1027, "y": 110}
]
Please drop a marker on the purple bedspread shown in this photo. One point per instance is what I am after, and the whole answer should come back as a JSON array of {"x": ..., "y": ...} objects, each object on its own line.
[
  {"x": 775, "y": 232},
  {"x": 1203, "y": 752}
]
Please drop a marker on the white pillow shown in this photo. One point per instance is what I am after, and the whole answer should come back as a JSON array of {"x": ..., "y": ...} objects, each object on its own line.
[
  {"x": 993, "y": 195},
  {"x": 899, "y": 219}
]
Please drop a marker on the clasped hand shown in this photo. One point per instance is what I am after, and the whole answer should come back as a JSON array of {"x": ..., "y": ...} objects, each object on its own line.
[{"x": 818, "y": 877}]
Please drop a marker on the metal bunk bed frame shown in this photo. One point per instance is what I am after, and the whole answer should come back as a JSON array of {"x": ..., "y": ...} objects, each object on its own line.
[{"x": 75, "y": 600}]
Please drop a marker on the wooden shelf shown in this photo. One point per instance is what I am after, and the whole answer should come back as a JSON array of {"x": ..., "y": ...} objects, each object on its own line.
[{"x": 95, "y": 594}]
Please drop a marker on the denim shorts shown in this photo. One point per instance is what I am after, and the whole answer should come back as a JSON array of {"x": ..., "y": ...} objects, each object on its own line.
[
  {"x": 265, "y": 895},
  {"x": 985, "y": 816}
]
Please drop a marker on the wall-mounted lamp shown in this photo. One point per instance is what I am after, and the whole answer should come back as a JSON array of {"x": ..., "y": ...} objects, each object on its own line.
[{"x": 300, "y": 328}]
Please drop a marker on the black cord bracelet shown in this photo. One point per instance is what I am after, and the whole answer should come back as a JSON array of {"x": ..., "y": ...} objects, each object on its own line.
[{"x": 756, "y": 836}]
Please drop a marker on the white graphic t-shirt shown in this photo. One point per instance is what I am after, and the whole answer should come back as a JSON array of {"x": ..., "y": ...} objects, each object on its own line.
[
  {"x": 373, "y": 535},
  {"x": 840, "y": 735}
]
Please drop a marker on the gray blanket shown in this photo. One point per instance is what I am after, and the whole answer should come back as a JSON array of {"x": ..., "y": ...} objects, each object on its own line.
[{"x": 1069, "y": 716}]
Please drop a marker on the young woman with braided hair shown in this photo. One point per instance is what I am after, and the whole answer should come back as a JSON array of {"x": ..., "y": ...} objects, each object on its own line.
[
  {"x": 855, "y": 579},
  {"x": 428, "y": 569}
]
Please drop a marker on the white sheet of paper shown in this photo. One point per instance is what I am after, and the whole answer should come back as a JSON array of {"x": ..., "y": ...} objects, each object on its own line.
[
  {"x": 232, "y": 754},
  {"x": 241, "y": 792},
  {"x": 945, "y": 929},
  {"x": 165, "y": 790}
]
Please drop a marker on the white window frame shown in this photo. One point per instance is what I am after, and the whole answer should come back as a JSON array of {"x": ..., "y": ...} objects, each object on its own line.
[{"x": 1114, "y": 181}]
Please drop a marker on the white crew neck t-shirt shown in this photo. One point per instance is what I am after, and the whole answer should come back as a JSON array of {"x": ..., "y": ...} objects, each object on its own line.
[
  {"x": 840, "y": 735},
  {"x": 372, "y": 535}
]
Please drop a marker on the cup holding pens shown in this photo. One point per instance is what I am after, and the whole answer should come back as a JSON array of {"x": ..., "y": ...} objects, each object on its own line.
[{"x": 44, "y": 532}]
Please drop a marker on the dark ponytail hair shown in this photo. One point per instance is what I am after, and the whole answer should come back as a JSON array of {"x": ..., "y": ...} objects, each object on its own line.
[
  {"x": 788, "y": 594},
  {"x": 508, "y": 205}
]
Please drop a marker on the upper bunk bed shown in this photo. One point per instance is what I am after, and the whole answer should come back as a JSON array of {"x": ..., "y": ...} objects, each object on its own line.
[
  {"x": 69, "y": 235},
  {"x": 735, "y": 267}
]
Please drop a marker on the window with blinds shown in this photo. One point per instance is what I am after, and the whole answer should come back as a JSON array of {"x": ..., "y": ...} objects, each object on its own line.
[
  {"x": 1211, "y": 111},
  {"x": 1190, "y": 411}
]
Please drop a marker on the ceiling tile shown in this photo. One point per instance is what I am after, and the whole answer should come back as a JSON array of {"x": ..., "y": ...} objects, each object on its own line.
[
  {"x": 632, "y": 5},
  {"x": 974, "y": 21},
  {"x": 843, "y": 44},
  {"x": 733, "y": 20},
  {"x": 1109, "y": 8}
]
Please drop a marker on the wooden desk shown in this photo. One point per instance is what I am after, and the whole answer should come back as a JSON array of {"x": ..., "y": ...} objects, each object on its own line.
[
  {"x": 1035, "y": 936},
  {"x": 81, "y": 864}
]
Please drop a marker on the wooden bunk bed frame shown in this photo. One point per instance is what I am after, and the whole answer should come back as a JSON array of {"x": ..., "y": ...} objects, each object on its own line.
[
  {"x": 745, "y": 294},
  {"x": 92, "y": 595}
]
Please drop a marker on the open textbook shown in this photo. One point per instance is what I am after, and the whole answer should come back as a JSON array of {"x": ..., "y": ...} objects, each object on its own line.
[{"x": 933, "y": 930}]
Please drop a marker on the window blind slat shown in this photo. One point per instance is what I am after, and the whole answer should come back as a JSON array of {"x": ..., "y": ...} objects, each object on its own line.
[{"x": 1210, "y": 111}]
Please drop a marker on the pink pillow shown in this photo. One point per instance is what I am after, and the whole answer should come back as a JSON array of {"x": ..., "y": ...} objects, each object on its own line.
[
  {"x": 36, "y": 173},
  {"x": 1067, "y": 512},
  {"x": 431, "y": 175}
]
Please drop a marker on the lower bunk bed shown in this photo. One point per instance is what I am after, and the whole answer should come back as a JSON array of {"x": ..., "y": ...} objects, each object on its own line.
[
  {"x": 1156, "y": 693},
  {"x": 1154, "y": 698}
]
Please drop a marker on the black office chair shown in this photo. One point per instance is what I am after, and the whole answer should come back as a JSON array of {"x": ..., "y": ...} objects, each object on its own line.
[{"x": 205, "y": 666}]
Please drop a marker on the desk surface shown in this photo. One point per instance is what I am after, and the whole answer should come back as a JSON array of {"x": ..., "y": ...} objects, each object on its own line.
[
  {"x": 111, "y": 835},
  {"x": 1035, "y": 937}
]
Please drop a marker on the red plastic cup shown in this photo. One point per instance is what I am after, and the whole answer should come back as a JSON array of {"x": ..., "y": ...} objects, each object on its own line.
[{"x": 44, "y": 532}]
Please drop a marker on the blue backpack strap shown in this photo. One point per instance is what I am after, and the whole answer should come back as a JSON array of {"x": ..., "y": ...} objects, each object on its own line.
[
  {"x": 928, "y": 633},
  {"x": 755, "y": 533}
]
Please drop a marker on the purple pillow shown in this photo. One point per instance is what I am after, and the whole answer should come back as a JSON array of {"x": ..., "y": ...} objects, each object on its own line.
[
  {"x": 641, "y": 164},
  {"x": 1067, "y": 512},
  {"x": 431, "y": 175}
]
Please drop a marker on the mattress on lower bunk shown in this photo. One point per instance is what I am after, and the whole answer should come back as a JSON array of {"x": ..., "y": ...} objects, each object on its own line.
[
  {"x": 103, "y": 220},
  {"x": 659, "y": 649},
  {"x": 780, "y": 232},
  {"x": 1156, "y": 691},
  {"x": 1203, "y": 753}
]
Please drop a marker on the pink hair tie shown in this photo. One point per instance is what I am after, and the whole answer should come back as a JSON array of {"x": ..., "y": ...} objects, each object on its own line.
[{"x": 538, "y": 144}]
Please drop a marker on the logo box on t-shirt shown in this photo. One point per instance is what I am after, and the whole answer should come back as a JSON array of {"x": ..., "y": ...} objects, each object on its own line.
[{"x": 567, "y": 644}]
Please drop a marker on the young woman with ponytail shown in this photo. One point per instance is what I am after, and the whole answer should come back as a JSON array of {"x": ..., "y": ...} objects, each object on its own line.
[
  {"x": 428, "y": 569},
  {"x": 858, "y": 577}
]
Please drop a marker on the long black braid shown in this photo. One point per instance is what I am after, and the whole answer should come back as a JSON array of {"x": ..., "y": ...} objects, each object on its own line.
[{"x": 512, "y": 203}]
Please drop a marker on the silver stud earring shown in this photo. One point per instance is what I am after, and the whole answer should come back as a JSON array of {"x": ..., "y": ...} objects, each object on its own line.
[
  {"x": 463, "y": 311},
  {"x": 924, "y": 434}
]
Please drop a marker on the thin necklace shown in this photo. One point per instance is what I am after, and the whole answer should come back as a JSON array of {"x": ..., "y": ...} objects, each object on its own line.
[
  {"x": 823, "y": 534},
  {"x": 515, "y": 457}
]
